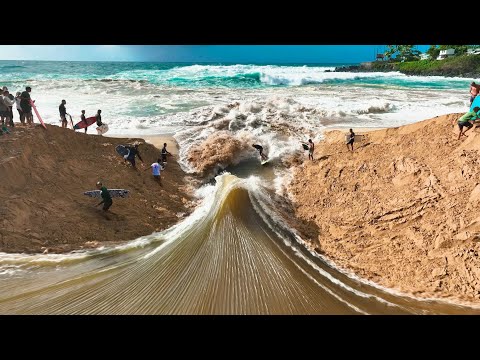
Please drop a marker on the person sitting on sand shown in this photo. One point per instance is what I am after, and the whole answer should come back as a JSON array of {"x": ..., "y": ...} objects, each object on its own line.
[
  {"x": 467, "y": 121},
  {"x": 133, "y": 151},
  {"x": 156, "y": 168},
  {"x": 260, "y": 150},
  {"x": 82, "y": 117},
  {"x": 474, "y": 88},
  {"x": 351, "y": 139},
  {"x": 63, "y": 114},
  {"x": 164, "y": 153},
  {"x": 107, "y": 199},
  {"x": 311, "y": 148}
]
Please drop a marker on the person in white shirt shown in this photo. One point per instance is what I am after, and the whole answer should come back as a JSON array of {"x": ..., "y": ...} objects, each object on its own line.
[
  {"x": 156, "y": 169},
  {"x": 5, "y": 104}
]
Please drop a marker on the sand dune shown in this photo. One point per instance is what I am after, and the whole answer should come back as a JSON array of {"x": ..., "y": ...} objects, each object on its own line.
[
  {"x": 402, "y": 210},
  {"x": 44, "y": 173}
]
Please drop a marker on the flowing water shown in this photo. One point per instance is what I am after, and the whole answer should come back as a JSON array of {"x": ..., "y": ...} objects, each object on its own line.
[{"x": 235, "y": 254}]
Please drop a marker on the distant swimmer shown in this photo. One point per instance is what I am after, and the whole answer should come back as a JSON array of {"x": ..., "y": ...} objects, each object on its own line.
[
  {"x": 63, "y": 114},
  {"x": 165, "y": 153},
  {"x": 310, "y": 146},
  {"x": 467, "y": 121},
  {"x": 474, "y": 88},
  {"x": 156, "y": 169},
  {"x": 351, "y": 139},
  {"x": 82, "y": 117},
  {"x": 133, "y": 151},
  {"x": 260, "y": 150},
  {"x": 107, "y": 199}
]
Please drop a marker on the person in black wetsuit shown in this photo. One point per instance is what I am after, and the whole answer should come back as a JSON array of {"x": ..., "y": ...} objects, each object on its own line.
[
  {"x": 82, "y": 117},
  {"x": 63, "y": 113},
  {"x": 260, "y": 150},
  {"x": 99, "y": 118},
  {"x": 25, "y": 104},
  {"x": 133, "y": 151}
]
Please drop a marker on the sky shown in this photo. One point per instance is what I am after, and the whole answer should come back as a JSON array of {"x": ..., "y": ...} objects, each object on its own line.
[{"x": 197, "y": 53}]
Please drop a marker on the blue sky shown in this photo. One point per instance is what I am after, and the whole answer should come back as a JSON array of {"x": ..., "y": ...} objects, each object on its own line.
[{"x": 196, "y": 53}]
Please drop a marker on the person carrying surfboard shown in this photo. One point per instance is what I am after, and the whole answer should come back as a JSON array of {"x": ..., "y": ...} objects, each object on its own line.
[
  {"x": 310, "y": 147},
  {"x": 467, "y": 121},
  {"x": 107, "y": 199},
  {"x": 133, "y": 151},
  {"x": 351, "y": 139},
  {"x": 25, "y": 104},
  {"x": 260, "y": 151},
  {"x": 63, "y": 114}
]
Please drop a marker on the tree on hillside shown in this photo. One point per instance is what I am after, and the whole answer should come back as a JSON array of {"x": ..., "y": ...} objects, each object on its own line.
[
  {"x": 402, "y": 52},
  {"x": 433, "y": 51}
]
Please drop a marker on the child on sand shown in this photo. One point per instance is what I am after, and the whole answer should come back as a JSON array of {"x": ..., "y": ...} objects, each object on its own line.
[
  {"x": 351, "y": 139},
  {"x": 311, "y": 148}
]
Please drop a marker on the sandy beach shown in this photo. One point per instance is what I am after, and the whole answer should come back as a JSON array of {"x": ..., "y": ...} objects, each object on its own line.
[
  {"x": 401, "y": 210},
  {"x": 44, "y": 175}
]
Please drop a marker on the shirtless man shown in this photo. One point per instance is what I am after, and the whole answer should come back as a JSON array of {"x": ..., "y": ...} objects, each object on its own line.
[{"x": 473, "y": 92}]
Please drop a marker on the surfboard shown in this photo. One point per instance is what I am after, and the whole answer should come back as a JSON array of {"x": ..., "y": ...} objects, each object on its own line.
[
  {"x": 122, "y": 151},
  {"x": 113, "y": 193},
  {"x": 265, "y": 161},
  {"x": 71, "y": 121},
  {"x": 36, "y": 113},
  {"x": 81, "y": 125},
  {"x": 102, "y": 129},
  {"x": 305, "y": 147}
]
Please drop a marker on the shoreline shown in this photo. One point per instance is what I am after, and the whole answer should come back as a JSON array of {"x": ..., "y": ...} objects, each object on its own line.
[{"x": 399, "y": 210}]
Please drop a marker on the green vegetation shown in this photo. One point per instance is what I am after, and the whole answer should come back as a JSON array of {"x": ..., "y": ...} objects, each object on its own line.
[{"x": 460, "y": 65}]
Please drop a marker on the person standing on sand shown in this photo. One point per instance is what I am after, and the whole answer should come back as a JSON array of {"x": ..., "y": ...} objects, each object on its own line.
[
  {"x": 5, "y": 103},
  {"x": 164, "y": 153},
  {"x": 63, "y": 114},
  {"x": 133, "y": 151},
  {"x": 25, "y": 104},
  {"x": 311, "y": 148},
  {"x": 473, "y": 92},
  {"x": 99, "y": 118},
  {"x": 18, "y": 99},
  {"x": 351, "y": 139},
  {"x": 156, "y": 168},
  {"x": 107, "y": 199},
  {"x": 82, "y": 117},
  {"x": 467, "y": 121}
]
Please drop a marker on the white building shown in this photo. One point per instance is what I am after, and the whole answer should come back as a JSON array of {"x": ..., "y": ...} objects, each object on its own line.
[
  {"x": 473, "y": 51},
  {"x": 445, "y": 53},
  {"x": 424, "y": 56}
]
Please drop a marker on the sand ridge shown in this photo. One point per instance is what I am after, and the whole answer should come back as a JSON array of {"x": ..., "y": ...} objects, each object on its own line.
[
  {"x": 402, "y": 210},
  {"x": 45, "y": 172}
]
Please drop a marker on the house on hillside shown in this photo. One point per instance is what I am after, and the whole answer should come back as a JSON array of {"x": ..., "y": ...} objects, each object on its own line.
[
  {"x": 446, "y": 53},
  {"x": 424, "y": 56},
  {"x": 475, "y": 51},
  {"x": 380, "y": 57}
]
